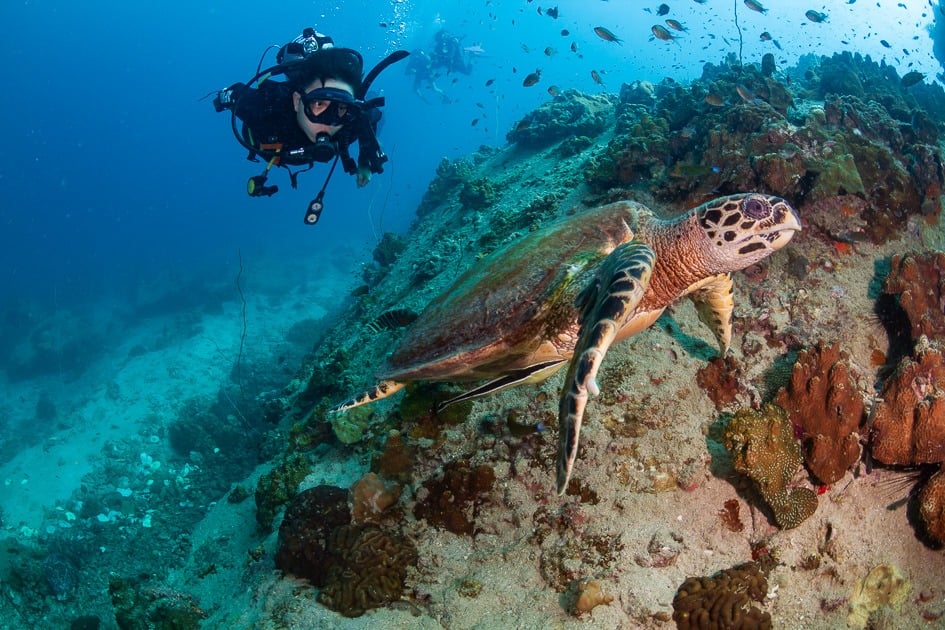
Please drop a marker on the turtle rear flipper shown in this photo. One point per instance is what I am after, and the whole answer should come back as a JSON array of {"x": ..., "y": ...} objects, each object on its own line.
[
  {"x": 607, "y": 306},
  {"x": 381, "y": 390}
]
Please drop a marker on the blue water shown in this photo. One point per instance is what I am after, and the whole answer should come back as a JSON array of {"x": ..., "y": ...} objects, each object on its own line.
[{"x": 113, "y": 169}]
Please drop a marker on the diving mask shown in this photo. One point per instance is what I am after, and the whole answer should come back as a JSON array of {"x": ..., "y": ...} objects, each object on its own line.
[{"x": 330, "y": 106}]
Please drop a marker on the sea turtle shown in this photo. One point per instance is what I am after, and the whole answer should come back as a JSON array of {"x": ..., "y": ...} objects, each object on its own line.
[{"x": 570, "y": 290}]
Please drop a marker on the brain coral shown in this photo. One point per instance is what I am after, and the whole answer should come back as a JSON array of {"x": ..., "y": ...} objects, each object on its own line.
[
  {"x": 723, "y": 600},
  {"x": 357, "y": 567},
  {"x": 822, "y": 399},
  {"x": 763, "y": 448}
]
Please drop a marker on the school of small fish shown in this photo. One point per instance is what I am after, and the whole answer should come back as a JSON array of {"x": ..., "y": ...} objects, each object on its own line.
[{"x": 674, "y": 31}]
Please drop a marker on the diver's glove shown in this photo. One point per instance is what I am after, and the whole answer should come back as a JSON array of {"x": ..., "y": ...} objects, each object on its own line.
[{"x": 226, "y": 98}]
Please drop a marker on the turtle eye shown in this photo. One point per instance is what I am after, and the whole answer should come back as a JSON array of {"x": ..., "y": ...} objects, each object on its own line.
[{"x": 756, "y": 208}]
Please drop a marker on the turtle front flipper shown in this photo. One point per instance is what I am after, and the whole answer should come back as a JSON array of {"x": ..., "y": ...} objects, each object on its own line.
[
  {"x": 381, "y": 390},
  {"x": 714, "y": 303},
  {"x": 606, "y": 307}
]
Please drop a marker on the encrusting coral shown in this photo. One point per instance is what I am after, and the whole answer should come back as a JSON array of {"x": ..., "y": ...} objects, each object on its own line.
[
  {"x": 919, "y": 281},
  {"x": 723, "y": 600},
  {"x": 823, "y": 400},
  {"x": 884, "y": 586},
  {"x": 763, "y": 448},
  {"x": 909, "y": 419}
]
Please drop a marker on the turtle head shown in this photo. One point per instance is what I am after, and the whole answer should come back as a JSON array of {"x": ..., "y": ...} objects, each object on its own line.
[{"x": 743, "y": 229}]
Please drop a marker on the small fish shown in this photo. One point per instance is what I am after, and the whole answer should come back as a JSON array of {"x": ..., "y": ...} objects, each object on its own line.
[
  {"x": 526, "y": 49},
  {"x": 715, "y": 100},
  {"x": 574, "y": 47},
  {"x": 663, "y": 9},
  {"x": 660, "y": 32},
  {"x": 596, "y": 77},
  {"x": 885, "y": 43},
  {"x": 816, "y": 16},
  {"x": 745, "y": 94},
  {"x": 682, "y": 171},
  {"x": 475, "y": 121},
  {"x": 565, "y": 32},
  {"x": 490, "y": 82},
  {"x": 766, "y": 36},
  {"x": 911, "y": 78},
  {"x": 553, "y": 90},
  {"x": 532, "y": 79},
  {"x": 552, "y": 13},
  {"x": 606, "y": 35},
  {"x": 550, "y": 52},
  {"x": 396, "y": 318},
  {"x": 754, "y": 5},
  {"x": 675, "y": 25},
  {"x": 382, "y": 24}
]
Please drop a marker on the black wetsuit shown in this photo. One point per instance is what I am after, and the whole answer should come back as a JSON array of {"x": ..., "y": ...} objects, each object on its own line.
[{"x": 269, "y": 119}]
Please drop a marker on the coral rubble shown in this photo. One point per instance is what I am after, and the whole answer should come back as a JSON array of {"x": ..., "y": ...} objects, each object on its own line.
[
  {"x": 909, "y": 419},
  {"x": 822, "y": 399},
  {"x": 918, "y": 278},
  {"x": 723, "y": 600},
  {"x": 763, "y": 448}
]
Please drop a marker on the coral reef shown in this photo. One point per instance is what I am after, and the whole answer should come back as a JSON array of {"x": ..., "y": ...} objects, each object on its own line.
[
  {"x": 763, "y": 448},
  {"x": 277, "y": 486},
  {"x": 822, "y": 399},
  {"x": 477, "y": 194},
  {"x": 452, "y": 500},
  {"x": 449, "y": 175},
  {"x": 719, "y": 380},
  {"x": 884, "y": 586},
  {"x": 909, "y": 419},
  {"x": 309, "y": 520},
  {"x": 357, "y": 567},
  {"x": 571, "y": 113},
  {"x": 723, "y": 600},
  {"x": 918, "y": 278},
  {"x": 932, "y": 506},
  {"x": 388, "y": 249},
  {"x": 137, "y": 606}
]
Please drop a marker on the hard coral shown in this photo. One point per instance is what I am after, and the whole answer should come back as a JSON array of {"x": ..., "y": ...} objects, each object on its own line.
[
  {"x": 723, "y": 600},
  {"x": 763, "y": 448},
  {"x": 823, "y": 400},
  {"x": 918, "y": 278},
  {"x": 571, "y": 113},
  {"x": 719, "y": 380},
  {"x": 909, "y": 419},
  {"x": 452, "y": 500},
  {"x": 370, "y": 497},
  {"x": 357, "y": 567},
  {"x": 367, "y": 570}
]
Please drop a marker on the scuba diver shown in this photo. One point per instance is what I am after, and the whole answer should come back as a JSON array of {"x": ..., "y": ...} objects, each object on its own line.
[
  {"x": 314, "y": 115},
  {"x": 448, "y": 53},
  {"x": 421, "y": 67}
]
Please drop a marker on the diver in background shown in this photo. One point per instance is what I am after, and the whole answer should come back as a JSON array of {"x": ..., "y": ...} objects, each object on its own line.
[
  {"x": 314, "y": 115},
  {"x": 448, "y": 53},
  {"x": 421, "y": 67}
]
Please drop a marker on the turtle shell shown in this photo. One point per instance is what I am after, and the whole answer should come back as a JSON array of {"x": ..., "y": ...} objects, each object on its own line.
[{"x": 509, "y": 309}]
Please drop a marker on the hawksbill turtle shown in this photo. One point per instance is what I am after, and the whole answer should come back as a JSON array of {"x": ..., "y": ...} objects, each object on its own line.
[{"x": 565, "y": 293}]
